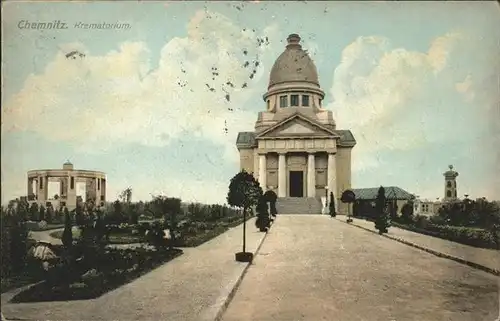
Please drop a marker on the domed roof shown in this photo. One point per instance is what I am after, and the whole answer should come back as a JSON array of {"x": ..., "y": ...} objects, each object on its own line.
[
  {"x": 450, "y": 173},
  {"x": 293, "y": 65}
]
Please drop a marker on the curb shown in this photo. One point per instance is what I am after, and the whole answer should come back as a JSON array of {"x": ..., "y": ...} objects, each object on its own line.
[
  {"x": 236, "y": 285},
  {"x": 430, "y": 251}
]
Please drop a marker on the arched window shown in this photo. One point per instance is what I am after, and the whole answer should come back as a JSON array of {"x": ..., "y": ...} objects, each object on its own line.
[
  {"x": 448, "y": 184},
  {"x": 448, "y": 193}
]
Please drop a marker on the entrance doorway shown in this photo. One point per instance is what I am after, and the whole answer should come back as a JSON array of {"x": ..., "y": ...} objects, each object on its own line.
[{"x": 296, "y": 180}]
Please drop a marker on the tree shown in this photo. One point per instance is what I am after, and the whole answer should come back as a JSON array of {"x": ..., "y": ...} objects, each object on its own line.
[
  {"x": 34, "y": 211},
  {"x": 49, "y": 214},
  {"x": 407, "y": 212},
  {"x": 67, "y": 237},
  {"x": 18, "y": 241},
  {"x": 272, "y": 198},
  {"x": 133, "y": 215},
  {"x": 244, "y": 192},
  {"x": 333, "y": 212},
  {"x": 263, "y": 222},
  {"x": 348, "y": 197},
  {"x": 382, "y": 221},
  {"x": 42, "y": 213},
  {"x": 79, "y": 216},
  {"x": 23, "y": 209},
  {"x": 65, "y": 211},
  {"x": 170, "y": 208},
  {"x": 126, "y": 195},
  {"x": 99, "y": 227}
]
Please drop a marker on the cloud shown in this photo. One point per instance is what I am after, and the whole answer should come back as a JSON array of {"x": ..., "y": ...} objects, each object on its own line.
[
  {"x": 394, "y": 99},
  {"x": 198, "y": 87},
  {"x": 465, "y": 88}
]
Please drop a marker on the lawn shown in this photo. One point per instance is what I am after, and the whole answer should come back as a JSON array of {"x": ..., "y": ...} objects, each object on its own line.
[{"x": 95, "y": 276}]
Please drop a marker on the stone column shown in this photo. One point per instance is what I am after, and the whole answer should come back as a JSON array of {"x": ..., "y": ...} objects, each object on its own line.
[
  {"x": 282, "y": 175},
  {"x": 103, "y": 190},
  {"x": 263, "y": 172},
  {"x": 40, "y": 185},
  {"x": 332, "y": 178},
  {"x": 311, "y": 176},
  {"x": 46, "y": 187},
  {"x": 62, "y": 186},
  {"x": 30, "y": 187}
]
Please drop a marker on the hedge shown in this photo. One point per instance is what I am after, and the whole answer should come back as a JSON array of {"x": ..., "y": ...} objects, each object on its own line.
[{"x": 465, "y": 235}]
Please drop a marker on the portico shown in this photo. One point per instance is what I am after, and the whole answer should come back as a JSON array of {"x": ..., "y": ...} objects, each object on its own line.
[{"x": 296, "y": 148}]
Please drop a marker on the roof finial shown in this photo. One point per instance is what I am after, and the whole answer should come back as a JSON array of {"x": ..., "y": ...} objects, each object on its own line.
[
  {"x": 450, "y": 167},
  {"x": 293, "y": 40}
]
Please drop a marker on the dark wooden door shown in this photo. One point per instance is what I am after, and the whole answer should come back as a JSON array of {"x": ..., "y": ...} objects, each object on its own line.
[{"x": 296, "y": 184}]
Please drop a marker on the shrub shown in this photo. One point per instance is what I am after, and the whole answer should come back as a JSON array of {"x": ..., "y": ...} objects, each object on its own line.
[
  {"x": 67, "y": 237},
  {"x": 42, "y": 213},
  {"x": 33, "y": 211},
  {"x": 407, "y": 212},
  {"x": 421, "y": 221},
  {"x": 156, "y": 236},
  {"x": 331, "y": 208},
  {"x": 382, "y": 221},
  {"x": 263, "y": 221}
]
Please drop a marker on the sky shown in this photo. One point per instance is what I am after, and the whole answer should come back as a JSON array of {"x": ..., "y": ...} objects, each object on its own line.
[{"x": 416, "y": 82}]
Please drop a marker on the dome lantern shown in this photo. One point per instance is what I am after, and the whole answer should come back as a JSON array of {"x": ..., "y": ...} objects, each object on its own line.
[{"x": 294, "y": 66}]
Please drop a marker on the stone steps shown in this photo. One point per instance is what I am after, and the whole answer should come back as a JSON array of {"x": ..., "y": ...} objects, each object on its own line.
[{"x": 298, "y": 205}]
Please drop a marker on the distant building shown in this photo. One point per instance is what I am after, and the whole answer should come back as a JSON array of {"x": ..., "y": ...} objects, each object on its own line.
[
  {"x": 450, "y": 184},
  {"x": 429, "y": 207},
  {"x": 366, "y": 199},
  {"x": 68, "y": 177},
  {"x": 426, "y": 207}
]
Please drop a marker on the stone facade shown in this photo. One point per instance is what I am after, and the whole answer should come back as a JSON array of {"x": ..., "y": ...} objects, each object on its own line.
[
  {"x": 68, "y": 177},
  {"x": 296, "y": 148}
]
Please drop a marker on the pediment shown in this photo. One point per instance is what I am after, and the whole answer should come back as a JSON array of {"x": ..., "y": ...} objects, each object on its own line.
[{"x": 297, "y": 126}]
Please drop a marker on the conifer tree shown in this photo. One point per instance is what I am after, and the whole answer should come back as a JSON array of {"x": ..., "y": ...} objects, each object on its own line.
[{"x": 382, "y": 220}]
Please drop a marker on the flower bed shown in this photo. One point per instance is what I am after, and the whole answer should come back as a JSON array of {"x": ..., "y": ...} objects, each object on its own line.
[
  {"x": 42, "y": 226},
  {"x": 118, "y": 237},
  {"x": 200, "y": 232},
  {"x": 111, "y": 269}
]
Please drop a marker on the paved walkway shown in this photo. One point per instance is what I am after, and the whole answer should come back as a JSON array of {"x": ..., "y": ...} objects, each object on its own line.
[
  {"x": 312, "y": 267},
  {"x": 191, "y": 287},
  {"x": 485, "y": 257}
]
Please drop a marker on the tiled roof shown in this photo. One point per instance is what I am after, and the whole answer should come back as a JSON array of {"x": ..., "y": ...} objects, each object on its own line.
[
  {"x": 246, "y": 139},
  {"x": 391, "y": 193},
  {"x": 346, "y": 137}
]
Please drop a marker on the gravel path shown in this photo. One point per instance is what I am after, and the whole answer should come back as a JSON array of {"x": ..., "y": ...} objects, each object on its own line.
[{"x": 317, "y": 268}]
